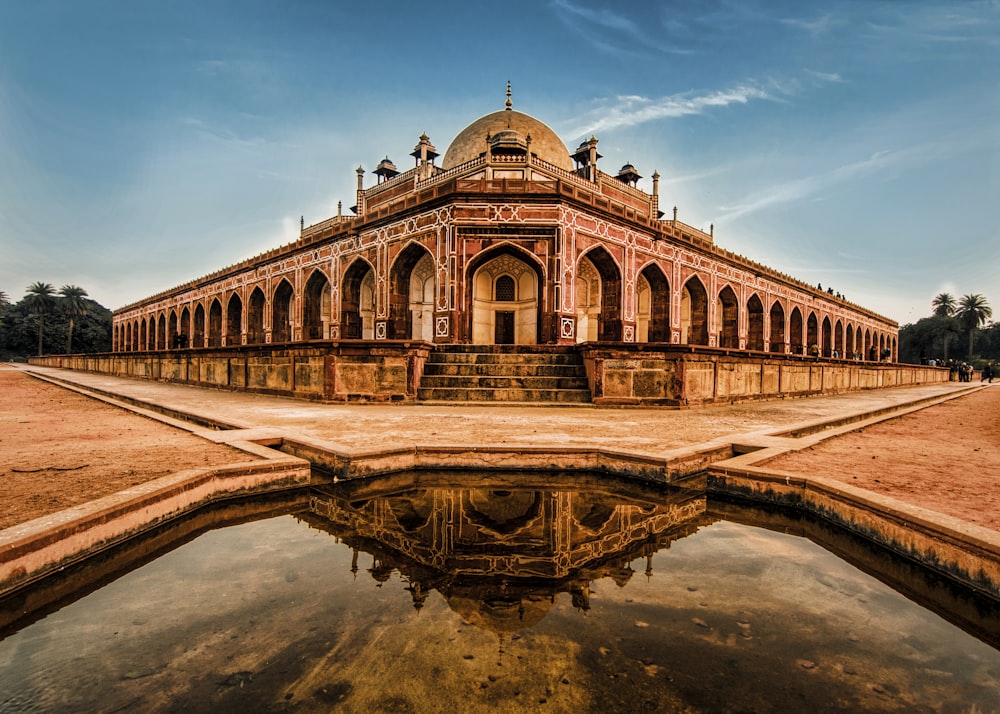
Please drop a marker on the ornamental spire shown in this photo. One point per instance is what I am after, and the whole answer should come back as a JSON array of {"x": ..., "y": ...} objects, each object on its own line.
[{"x": 509, "y": 103}]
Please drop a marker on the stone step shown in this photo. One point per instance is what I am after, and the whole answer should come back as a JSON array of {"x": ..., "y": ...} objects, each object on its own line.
[
  {"x": 502, "y": 382},
  {"x": 508, "y": 349},
  {"x": 500, "y": 358},
  {"x": 507, "y": 370},
  {"x": 449, "y": 394},
  {"x": 504, "y": 373}
]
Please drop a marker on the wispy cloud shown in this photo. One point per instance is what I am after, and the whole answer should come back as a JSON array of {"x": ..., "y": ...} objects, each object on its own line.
[
  {"x": 219, "y": 133},
  {"x": 610, "y": 32},
  {"x": 808, "y": 186},
  {"x": 632, "y": 110},
  {"x": 819, "y": 26},
  {"x": 603, "y": 17}
]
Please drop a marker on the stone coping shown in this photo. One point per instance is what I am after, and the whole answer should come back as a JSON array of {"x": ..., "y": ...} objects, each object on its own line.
[{"x": 949, "y": 546}]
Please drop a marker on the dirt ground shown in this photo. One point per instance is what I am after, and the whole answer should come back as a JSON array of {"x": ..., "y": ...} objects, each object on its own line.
[
  {"x": 59, "y": 449},
  {"x": 945, "y": 458}
]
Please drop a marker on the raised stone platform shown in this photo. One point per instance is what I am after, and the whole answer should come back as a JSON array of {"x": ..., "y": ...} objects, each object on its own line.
[{"x": 619, "y": 374}]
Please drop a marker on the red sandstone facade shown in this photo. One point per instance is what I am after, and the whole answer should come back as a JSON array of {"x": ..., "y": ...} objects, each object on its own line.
[{"x": 511, "y": 240}]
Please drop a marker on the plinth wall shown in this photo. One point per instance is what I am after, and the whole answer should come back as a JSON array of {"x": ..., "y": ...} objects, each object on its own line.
[
  {"x": 361, "y": 371},
  {"x": 689, "y": 376},
  {"x": 619, "y": 374}
]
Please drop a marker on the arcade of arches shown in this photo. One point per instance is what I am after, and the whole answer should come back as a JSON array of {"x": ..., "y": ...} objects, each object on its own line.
[{"x": 507, "y": 307}]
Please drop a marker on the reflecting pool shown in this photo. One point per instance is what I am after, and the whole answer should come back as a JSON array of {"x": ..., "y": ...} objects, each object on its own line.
[{"x": 417, "y": 593}]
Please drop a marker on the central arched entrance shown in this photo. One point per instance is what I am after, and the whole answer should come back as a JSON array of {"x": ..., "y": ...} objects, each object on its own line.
[{"x": 505, "y": 301}]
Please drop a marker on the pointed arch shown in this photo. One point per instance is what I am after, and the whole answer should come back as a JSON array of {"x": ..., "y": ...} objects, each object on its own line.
[
  {"x": 653, "y": 305},
  {"x": 161, "y": 333},
  {"x": 411, "y": 294},
  {"x": 357, "y": 301},
  {"x": 796, "y": 345},
  {"x": 185, "y": 336},
  {"x": 400, "y": 325},
  {"x": 587, "y": 290},
  {"x": 694, "y": 312},
  {"x": 755, "y": 323},
  {"x": 849, "y": 348},
  {"x": 255, "y": 317},
  {"x": 838, "y": 339},
  {"x": 609, "y": 326},
  {"x": 812, "y": 334},
  {"x": 728, "y": 310},
  {"x": 215, "y": 323},
  {"x": 503, "y": 286},
  {"x": 173, "y": 334},
  {"x": 826, "y": 338},
  {"x": 198, "y": 327},
  {"x": 316, "y": 313},
  {"x": 421, "y": 307},
  {"x": 777, "y": 336},
  {"x": 234, "y": 320},
  {"x": 282, "y": 305}
]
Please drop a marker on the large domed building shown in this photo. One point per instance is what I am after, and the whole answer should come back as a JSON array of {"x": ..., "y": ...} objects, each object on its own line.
[{"x": 512, "y": 239}]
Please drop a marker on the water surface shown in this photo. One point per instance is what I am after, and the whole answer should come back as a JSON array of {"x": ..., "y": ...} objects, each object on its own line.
[{"x": 569, "y": 594}]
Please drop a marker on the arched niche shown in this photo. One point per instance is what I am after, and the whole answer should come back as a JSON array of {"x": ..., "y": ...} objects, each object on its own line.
[
  {"x": 281, "y": 312},
  {"x": 694, "y": 313},
  {"x": 316, "y": 307},
  {"x": 652, "y": 320},
  {"x": 357, "y": 302},
  {"x": 505, "y": 305}
]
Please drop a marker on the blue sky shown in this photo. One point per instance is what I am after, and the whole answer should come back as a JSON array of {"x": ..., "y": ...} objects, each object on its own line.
[{"x": 850, "y": 143}]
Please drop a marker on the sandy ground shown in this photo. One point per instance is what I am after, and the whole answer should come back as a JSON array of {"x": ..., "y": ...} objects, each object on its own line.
[
  {"x": 945, "y": 458},
  {"x": 59, "y": 449}
]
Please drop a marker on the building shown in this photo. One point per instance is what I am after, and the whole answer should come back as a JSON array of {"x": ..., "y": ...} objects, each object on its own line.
[{"x": 510, "y": 238}]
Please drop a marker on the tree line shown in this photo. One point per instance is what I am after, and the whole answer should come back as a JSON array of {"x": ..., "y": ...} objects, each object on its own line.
[
  {"x": 956, "y": 329},
  {"x": 50, "y": 321}
]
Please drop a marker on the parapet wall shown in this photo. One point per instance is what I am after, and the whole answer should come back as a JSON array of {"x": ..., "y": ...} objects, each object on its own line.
[
  {"x": 386, "y": 371},
  {"x": 641, "y": 374},
  {"x": 619, "y": 374}
]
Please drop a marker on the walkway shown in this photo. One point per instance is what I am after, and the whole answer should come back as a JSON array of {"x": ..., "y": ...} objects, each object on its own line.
[{"x": 354, "y": 429}]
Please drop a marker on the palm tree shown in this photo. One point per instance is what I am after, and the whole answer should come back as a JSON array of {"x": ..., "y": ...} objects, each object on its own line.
[
  {"x": 944, "y": 305},
  {"x": 973, "y": 310},
  {"x": 40, "y": 300},
  {"x": 73, "y": 306},
  {"x": 4, "y": 301}
]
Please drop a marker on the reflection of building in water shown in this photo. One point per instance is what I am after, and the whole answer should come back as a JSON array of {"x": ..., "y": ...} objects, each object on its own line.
[{"x": 500, "y": 553}]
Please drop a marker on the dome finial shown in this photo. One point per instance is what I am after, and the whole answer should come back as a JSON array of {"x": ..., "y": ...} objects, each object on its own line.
[{"x": 509, "y": 103}]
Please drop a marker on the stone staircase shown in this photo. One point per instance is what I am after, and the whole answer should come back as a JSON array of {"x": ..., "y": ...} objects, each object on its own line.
[{"x": 504, "y": 373}]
